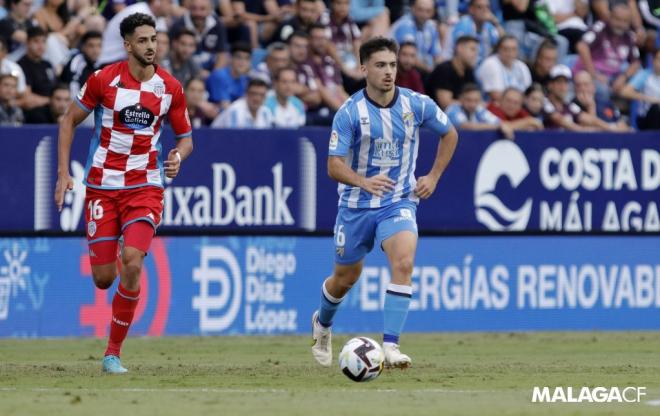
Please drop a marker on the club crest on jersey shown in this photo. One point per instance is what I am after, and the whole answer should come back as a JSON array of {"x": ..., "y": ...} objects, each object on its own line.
[
  {"x": 408, "y": 119},
  {"x": 386, "y": 152},
  {"x": 91, "y": 228},
  {"x": 136, "y": 117},
  {"x": 159, "y": 90}
]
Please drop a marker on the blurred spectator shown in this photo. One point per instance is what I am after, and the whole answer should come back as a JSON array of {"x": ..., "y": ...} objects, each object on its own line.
[
  {"x": 372, "y": 17},
  {"x": 239, "y": 27},
  {"x": 277, "y": 57},
  {"x": 419, "y": 27},
  {"x": 345, "y": 36},
  {"x": 470, "y": 114},
  {"x": 9, "y": 67},
  {"x": 531, "y": 22},
  {"x": 266, "y": 14},
  {"x": 307, "y": 88},
  {"x": 13, "y": 28},
  {"x": 510, "y": 109},
  {"x": 63, "y": 29},
  {"x": 83, "y": 63},
  {"x": 287, "y": 111},
  {"x": 228, "y": 84},
  {"x": 448, "y": 10},
  {"x": 59, "y": 102},
  {"x": 112, "y": 7},
  {"x": 307, "y": 12},
  {"x": 569, "y": 17},
  {"x": 112, "y": 48},
  {"x": 407, "y": 75},
  {"x": 545, "y": 60},
  {"x": 200, "y": 110},
  {"x": 179, "y": 63},
  {"x": 600, "y": 115},
  {"x": 448, "y": 78},
  {"x": 210, "y": 34},
  {"x": 503, "y": 69},
  {"x": 162, "y": 46},
  {"x": 10, "y": 113},
  {"x": 557, "y": 113},
  {"x": 650, "y": 11},
  {"x": 608, "y": 52},
  {"x": 534, "y": 98},
  {"x": 645, "y": 88},
  {"x": 327, "y": 74},
  {"x": 481, "y": 23},
  {"x": 247, "y": 112},
  {"x": 39, "y": 77}
]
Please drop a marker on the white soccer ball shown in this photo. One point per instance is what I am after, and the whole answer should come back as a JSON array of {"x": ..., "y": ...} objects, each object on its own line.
[{"x": 361, "y": 359}]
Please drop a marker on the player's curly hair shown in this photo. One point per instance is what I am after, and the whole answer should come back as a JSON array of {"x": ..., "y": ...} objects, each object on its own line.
[
  {"x": 374, "y": 45},
  {"x": 128, "y": 25}
]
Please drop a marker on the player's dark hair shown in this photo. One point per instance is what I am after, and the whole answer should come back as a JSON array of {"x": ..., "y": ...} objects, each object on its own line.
[
  {"x": 374, "y": 45},
  {"x": 256, "y": 82},
  {"x": 241, "y": 47},
  {"x": 129, "y": 24},
  {"x": 469, "y": 87},
  {"x": 35, "y": 32}
]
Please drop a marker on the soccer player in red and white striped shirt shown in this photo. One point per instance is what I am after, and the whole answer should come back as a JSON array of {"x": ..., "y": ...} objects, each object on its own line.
[{"x": 125, "y": 170}]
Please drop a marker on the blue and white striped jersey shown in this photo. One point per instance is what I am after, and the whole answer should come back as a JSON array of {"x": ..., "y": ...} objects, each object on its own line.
[{"x": 383, "y": 140}]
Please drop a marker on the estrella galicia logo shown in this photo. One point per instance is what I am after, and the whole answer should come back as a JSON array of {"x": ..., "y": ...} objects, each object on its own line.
[
  {"x": 136, "y": 117},
  {"x": 502, "y": 158}
]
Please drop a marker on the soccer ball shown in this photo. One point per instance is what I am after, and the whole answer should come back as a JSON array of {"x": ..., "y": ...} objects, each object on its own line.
[{"x": 361, "y": 359}]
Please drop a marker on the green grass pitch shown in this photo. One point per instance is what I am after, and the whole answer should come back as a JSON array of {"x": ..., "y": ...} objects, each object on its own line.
[{"x": 452, "y": 373}]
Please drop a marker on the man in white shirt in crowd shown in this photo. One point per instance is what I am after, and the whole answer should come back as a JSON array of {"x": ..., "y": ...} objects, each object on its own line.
[
  {"x": 248, "y": 111},
  {"x": 287, "y": 110},
  {"x": 503, "y": 69}
]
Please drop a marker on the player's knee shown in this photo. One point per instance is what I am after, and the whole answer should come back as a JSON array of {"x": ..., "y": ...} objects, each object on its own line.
[
  {"x": 403, "y": 266},
  {"x": 347, "y": 278},
  {"x": 103, "y": 280}
]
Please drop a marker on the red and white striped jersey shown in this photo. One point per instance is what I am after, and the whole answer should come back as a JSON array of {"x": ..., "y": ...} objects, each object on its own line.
[{"x": 125, "y": 151}]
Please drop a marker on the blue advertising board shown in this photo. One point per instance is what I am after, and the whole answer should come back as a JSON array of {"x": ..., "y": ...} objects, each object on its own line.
[
  {"x": 271, "y": 285},
  {"x": 276, "y": 180}
]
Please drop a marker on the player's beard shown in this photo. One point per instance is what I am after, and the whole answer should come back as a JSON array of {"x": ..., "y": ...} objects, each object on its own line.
[{"x": 143, "y": 60}]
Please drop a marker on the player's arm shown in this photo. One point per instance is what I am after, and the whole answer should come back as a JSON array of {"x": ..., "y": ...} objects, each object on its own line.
[
  {"x": 341, "y": 140},
  {"x": 180, "y": 121},
  {"x": 74, "y": 115},
  {"x": 436, "y": 120},
  {"x": 426, "y": 184},
  {"x": 341, "y": 172}
]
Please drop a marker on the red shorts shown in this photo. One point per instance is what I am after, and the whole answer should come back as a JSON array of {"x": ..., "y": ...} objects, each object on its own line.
[{"x": 108, "y": 214}]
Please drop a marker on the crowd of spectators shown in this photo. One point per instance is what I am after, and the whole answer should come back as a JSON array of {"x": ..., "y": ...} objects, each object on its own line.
[{"x": 507, "y": 65}]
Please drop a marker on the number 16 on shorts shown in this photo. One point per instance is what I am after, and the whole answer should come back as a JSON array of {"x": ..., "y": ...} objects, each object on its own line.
[{"x": 340, "y": 240}]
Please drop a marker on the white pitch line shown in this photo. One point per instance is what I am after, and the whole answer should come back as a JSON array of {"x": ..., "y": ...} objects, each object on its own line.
[
  {"x": 655, "y": 402},
  {"x": 226, "y": 390}
]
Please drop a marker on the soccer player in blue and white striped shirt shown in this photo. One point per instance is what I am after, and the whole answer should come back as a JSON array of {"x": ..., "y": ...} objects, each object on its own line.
[{"x": 373, "y": 153}]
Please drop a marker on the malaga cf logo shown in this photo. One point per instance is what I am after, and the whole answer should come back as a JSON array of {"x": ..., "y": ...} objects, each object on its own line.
[
  {"x": 136, "y": 117},
  {"x": 502, "y": 158}
]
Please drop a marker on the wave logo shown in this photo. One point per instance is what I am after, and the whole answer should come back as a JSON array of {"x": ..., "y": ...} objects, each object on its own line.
[
  {"x": 502, "y": 158},
  {"x": 217, "y": 310}
]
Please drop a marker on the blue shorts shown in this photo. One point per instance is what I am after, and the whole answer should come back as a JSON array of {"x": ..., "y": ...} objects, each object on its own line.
[{"x": 356, "y": 229}]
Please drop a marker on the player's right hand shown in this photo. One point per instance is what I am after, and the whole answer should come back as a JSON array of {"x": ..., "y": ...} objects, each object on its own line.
[
  {"x": 64, "y": 183},
  {"x": 377, "y": 185}
]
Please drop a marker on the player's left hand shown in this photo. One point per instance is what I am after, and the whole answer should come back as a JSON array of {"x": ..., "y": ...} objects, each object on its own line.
[
  {"x": 172, "y": 164},
  {"x": 425, "y": 186}
]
